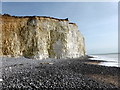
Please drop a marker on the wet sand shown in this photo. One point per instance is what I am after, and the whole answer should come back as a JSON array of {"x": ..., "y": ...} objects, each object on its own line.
[{"x": 22, "y": 73}]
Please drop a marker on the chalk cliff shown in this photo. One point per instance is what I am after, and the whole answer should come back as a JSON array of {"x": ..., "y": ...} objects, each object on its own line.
[{"x": 40, "y": 37}]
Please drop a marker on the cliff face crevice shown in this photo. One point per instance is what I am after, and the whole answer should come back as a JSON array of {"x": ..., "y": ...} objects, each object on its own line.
[{"x": 40, "y": 37}]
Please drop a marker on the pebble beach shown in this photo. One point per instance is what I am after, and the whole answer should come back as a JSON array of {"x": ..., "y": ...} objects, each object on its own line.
[{"x": 49, "y": 74}]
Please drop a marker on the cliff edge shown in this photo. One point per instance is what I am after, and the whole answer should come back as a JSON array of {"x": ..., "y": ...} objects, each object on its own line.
[{"x": 40, "y": 37}]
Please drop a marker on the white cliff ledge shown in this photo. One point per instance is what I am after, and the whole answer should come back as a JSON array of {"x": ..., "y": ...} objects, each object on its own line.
[{"x": 40, "y": 37}]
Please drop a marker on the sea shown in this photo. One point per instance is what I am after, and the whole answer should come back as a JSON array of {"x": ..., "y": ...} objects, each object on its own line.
[{"x": 110, "y": 59}]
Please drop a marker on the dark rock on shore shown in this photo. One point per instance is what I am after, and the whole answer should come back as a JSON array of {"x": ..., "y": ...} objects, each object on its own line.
[{"x": 50, "y": 74}]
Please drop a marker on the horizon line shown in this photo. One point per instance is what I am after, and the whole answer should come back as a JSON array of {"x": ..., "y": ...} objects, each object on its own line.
[{"x": 104, "y": 53}]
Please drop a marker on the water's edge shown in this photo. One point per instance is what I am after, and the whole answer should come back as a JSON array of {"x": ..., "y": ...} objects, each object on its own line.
[{"x": 110, "y": 59}]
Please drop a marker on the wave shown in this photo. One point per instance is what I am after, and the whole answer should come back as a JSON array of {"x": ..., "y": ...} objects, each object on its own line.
[{"x": 110, "y": 59}]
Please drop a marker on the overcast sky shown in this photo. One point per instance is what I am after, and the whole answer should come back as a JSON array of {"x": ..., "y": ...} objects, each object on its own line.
[{"x": 97, "y": 21}]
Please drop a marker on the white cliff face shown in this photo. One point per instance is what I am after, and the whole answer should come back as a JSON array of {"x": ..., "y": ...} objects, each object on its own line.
[{"x": 40, "y": 37}]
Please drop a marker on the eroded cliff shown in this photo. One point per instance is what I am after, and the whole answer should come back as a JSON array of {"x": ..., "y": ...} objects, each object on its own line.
[{"x": 40, "y": 37}]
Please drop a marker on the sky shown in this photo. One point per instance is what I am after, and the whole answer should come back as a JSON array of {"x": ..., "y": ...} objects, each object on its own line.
[{"x": 97, "y": 21}]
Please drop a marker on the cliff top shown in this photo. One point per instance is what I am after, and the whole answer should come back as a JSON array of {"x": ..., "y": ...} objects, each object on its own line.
[{"x": 7, "y": 15}]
